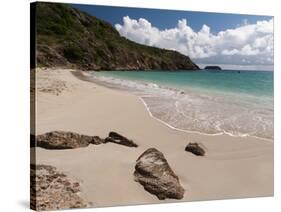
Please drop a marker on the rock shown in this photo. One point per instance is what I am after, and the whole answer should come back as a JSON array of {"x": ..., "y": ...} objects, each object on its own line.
[
  {"x": 97, "y": 140},
  {"x": 53, "y": 190},
  {"x": 114, "y": 137},
  {"x": 195, "y": 148},
  {"x": 65, "y": 140},
  {"x": 154, "y": 173}
]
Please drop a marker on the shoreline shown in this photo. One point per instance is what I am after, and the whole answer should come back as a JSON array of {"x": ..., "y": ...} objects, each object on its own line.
[
  {"x": 107, "y": 85},
  {"x": 200, "y": 133},
  {"x": 237, "y": 167}
]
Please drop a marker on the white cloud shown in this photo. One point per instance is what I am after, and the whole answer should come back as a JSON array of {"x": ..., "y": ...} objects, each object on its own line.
[
  {"x": 230, "y": 52},
  {"x": 246, "y": 44}
]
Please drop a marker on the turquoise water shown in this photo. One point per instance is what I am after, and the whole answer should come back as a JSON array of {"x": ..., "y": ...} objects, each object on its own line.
[{"x": 239, "y": 103}]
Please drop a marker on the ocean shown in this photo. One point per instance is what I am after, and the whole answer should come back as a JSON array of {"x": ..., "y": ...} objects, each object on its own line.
[{"x": 234, "y": 102}]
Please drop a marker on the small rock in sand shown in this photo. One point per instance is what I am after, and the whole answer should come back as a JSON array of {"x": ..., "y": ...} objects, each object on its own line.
[
  {"x": 196, "y": 149},
  {"x": 114, "y": 137}
]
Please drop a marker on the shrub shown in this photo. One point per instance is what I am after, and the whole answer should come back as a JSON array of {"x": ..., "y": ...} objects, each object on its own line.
[{"x": 73, "y": 52}]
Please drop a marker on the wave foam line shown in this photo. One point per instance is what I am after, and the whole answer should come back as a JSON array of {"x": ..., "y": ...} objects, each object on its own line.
[{"x": 197, "y": 132}]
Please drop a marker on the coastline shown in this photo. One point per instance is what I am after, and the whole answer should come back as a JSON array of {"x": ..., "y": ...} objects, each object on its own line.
[
  {"x": 146, "y": 105},
  {"x": 235, "y": 166}
]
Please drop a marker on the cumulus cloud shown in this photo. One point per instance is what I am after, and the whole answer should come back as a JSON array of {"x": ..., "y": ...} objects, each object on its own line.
[{"x": 248, "y": 44}]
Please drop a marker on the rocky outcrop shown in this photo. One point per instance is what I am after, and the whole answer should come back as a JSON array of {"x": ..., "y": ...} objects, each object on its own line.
[
  {"x": 196, "y": 149},
  {"x": 65, "y": 140},
  {"x": 154, "y": 173},
  {"x": 114, "y": 137},
  {"x": 71, "y": 140},
  {"x": 68, "y": 37},
  {"x": 53, "y": 190}
]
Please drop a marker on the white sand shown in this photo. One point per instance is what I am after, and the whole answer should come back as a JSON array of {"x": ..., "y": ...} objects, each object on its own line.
[{"x": 233, "y": 167}]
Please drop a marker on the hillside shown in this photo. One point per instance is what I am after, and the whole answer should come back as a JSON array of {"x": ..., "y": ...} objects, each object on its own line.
[{"x": 69, "y": 37}]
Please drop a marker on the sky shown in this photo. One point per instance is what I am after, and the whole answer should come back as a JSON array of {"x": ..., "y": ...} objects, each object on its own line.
[{"x": 229, "y": 40}]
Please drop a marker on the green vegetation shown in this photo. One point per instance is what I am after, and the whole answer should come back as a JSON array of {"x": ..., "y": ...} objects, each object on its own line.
[
  {"x": 73, "y": 52},
  {"x": 67, "y": 37}
]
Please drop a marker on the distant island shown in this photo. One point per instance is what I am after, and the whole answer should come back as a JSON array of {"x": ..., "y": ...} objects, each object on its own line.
[
  {"x": 67, "y": 37},
  {"x": 213, "y": 68}
]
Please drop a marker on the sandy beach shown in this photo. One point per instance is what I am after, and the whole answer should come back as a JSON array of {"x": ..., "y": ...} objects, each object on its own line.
[{"x": 234, "y": 167}]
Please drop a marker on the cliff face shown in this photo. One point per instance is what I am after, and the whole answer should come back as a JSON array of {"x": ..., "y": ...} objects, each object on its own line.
[{"x": 69, "y": 37}]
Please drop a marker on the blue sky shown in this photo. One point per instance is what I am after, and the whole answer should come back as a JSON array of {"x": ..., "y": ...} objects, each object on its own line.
[
  {"x": 164, "y": 19},
  {"x": 208, "y": 38}
]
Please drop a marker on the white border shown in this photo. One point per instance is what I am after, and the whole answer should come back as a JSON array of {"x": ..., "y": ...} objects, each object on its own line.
[{"x": 14, "y": 111}]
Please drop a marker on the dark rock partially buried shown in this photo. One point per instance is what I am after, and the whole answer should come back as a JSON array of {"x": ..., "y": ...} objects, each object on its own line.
[
  {"x": 154, "y": 173},
  {"x": 114, "y": 137},
  {"x": 65, "y": 140},
  {"x": 196, "y": 149},
  {"x": 53, "y": 190}
]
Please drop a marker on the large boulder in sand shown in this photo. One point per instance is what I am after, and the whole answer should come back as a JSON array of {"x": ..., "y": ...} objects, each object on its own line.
[
  {"x": 65, "y": 140},
  {"x": 114, "y": 137},
  {"x": 196, "y": 149},
  {"x": 154, "y": 173},
  {"x": 53, "y": 190}
]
